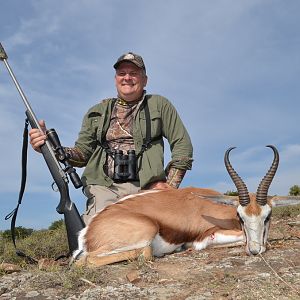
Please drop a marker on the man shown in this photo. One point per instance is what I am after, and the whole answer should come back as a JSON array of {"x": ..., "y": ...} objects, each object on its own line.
[{"x": 135, "y": 123}]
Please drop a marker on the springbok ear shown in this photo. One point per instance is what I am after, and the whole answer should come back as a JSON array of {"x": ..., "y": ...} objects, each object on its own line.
[
  {"x": 223, "y": 199},
  {"x": 285, "y": 200}
]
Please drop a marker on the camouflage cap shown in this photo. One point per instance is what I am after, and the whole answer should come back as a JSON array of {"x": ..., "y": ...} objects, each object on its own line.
[{"x": 131, "y": 57}]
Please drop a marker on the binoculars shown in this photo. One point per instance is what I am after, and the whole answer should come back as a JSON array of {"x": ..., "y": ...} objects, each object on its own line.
[{"x": 124, "y": 166}]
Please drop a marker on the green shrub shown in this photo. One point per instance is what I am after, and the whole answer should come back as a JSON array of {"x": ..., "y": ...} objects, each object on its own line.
[
  {"x": 40, "y": 244},
  {"x": 20, "y": 233},
  {"x": 286, "y": 211},
  {"x": 294, "y": 190},
  {"x": 231, "y": 193},
  {"x": 56, "y": 224}
]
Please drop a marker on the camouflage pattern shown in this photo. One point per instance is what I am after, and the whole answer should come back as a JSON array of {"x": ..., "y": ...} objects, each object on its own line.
[
  {"x": 119, "y": 136},
  {"x": 3, "y": 54},
  {"x": 175, "y": 176},
  {"x": 76, "y": 157},
  {"x": 164, "y": 122}
]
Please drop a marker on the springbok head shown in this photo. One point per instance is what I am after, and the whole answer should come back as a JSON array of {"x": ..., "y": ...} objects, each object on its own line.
[{"x": 254, "y": 211}]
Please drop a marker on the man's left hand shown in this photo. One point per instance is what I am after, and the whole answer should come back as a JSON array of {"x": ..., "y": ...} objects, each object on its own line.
[{"x": 159, "y": 185}]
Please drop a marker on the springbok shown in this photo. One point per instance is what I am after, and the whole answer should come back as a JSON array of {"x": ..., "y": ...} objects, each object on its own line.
[{"x": 157, "y": 222}]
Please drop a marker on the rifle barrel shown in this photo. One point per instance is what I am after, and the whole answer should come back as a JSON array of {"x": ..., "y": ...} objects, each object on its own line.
[
  {"x": 28, "y": 107},
  {"x": 73, "y": 221},
  {"x": 29, "y": 112}
]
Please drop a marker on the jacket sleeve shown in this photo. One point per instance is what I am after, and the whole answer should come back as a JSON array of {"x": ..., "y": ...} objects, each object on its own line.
[
  {"x": 87, "y": 137},
  {"x": 175, "y": 132}
]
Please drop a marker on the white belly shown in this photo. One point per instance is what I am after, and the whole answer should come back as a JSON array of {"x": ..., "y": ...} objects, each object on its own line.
[{"x": 161, "y": 247}]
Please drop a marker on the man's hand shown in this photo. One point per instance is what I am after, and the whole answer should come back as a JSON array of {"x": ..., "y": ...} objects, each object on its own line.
[
  {"x": 159, "y": 185},
  {"x": 38, "y": 137}
]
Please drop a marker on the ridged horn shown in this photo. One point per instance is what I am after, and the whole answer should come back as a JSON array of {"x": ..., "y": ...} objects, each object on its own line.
[
  {"x": 244, "y": 197},
  {"x": 262, "y": 190}
]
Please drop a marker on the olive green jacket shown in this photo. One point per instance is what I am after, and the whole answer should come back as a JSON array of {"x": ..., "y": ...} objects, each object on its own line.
[{"x": 165, "y": 122}]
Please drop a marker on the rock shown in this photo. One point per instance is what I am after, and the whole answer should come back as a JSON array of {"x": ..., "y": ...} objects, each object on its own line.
[{"x": 133, "y": 276}]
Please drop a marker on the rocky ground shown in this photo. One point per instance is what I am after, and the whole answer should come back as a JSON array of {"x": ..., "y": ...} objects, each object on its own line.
[{"x": 222, "y": 273}]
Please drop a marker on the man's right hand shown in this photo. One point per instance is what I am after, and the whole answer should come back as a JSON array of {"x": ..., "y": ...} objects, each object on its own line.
[{"x": 38, "y": 137}]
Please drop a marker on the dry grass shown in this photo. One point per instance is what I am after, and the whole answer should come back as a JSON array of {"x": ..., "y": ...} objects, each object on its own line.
[
  {"x": 286, "y": 211},
  {"x": 184, "y": 272},
  {"x": 40, "y": 244},
  {"x": 49, "y": 244}
]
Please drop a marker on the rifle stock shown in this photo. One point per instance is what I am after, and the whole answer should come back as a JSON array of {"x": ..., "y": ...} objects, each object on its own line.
[{"x": 66, "y": 207}]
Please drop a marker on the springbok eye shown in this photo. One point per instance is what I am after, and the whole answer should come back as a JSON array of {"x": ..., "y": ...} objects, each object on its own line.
[
  {"x": 240, "y": 219},
  {"x": 268, "y": 219}
]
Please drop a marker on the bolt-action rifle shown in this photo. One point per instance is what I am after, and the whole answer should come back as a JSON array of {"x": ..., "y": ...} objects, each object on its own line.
[{"x": 54, "y": 155}]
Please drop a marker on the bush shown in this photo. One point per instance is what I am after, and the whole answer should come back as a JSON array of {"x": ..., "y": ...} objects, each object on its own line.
[
  {"x": 231, "y": 193},
  {"x": 294, "y": 190},
  {"x": 40, "y": 244},
  {"x": 56, "y": 224},
  {"x": 20, "y": 233},
  {"x": 286, "y": 211}
]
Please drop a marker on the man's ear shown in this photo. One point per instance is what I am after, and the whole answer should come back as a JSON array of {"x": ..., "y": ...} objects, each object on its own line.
[{"x": 145, "y": 80}]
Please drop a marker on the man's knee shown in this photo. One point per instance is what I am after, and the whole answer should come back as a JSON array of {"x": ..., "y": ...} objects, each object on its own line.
[
  {"x": 101, "y": 196},
  {"x": 98, "y": 197}
]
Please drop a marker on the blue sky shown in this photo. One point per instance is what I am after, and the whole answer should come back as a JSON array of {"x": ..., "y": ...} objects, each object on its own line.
[{"x": 231, "y": 68}]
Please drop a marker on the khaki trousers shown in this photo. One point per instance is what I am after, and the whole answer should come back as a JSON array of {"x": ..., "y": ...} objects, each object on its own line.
[{"x": 101, "y": 196}]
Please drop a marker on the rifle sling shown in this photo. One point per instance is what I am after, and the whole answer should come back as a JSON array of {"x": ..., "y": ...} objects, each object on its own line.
[{"x": 14, "y": 213}]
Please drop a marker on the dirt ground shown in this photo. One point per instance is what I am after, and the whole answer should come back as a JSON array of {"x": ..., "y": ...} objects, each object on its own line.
[{"x": 219, "y": 273}]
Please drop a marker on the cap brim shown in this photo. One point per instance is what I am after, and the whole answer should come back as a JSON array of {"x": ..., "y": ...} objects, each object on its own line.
[{"x": 127, "y": 60}]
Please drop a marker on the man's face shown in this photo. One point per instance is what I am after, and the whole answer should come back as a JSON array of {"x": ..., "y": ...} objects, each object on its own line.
[{"x": 130, "y": 81}]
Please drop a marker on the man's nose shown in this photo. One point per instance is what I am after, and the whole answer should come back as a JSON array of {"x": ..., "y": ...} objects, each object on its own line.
[{"x": 128, "y": 76}]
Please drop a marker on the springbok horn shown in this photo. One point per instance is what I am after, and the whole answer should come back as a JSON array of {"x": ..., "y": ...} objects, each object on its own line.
[
  {"x": 244, "y": 198},
  {"x": 262, "y": 190}
]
